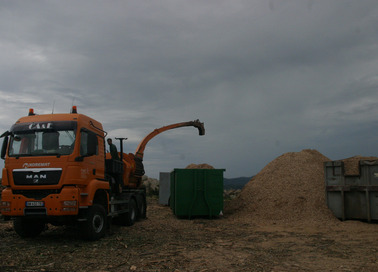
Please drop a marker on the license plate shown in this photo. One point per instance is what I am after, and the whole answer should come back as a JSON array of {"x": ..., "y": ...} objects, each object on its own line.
[{"x": 35, "y": 204}]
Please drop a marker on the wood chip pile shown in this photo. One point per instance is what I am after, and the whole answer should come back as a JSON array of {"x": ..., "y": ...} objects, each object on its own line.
[
  {"x": 289, "y": 189},
  {"x": 199, "y": 166}
]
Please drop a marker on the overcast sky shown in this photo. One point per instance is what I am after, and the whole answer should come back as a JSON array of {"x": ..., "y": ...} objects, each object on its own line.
[{"x": 266, "y": 77}]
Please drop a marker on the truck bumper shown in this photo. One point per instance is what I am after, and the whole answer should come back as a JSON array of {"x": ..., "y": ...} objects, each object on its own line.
[{"x": 60, "y": 204}]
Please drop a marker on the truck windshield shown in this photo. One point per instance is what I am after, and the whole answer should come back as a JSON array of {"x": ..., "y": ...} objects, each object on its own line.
[{"x": 39, "y": 140}]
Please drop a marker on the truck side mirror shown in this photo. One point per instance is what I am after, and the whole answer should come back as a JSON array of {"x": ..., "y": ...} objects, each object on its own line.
[{"x": 4, "y": 147}]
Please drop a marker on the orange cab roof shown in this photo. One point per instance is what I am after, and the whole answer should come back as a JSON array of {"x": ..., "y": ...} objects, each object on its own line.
[{"x": 81, "y": 119}]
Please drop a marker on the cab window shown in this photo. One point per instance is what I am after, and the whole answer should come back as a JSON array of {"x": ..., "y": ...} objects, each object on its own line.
[{"x": 88, "y": 143}]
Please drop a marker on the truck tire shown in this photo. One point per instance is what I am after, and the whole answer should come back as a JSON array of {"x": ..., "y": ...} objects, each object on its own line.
[
  {"x": 129, "y": 218},
  {"x": 142, "y": 213},
  {"x": 94, "y": 227},
  {"x": 26, "y": 227}
]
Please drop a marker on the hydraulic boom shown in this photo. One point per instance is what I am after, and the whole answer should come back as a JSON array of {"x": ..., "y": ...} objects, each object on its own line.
[{"x": 140, "y": 149}]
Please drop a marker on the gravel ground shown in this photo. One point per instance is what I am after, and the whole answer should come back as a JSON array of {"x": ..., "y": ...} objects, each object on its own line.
[{"x": 164, "y": 243}]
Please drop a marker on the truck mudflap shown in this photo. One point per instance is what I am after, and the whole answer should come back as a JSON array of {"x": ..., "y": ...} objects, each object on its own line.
[{"x": 56, "y": 204}]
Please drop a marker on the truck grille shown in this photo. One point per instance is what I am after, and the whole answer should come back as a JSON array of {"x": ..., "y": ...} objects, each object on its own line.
[
  {"x": 37, "y": 176},
  {"x": 35, "y": 194}
]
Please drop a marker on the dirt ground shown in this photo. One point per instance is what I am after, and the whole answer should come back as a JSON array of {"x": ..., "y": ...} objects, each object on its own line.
[{"x": 230, "y": 243}]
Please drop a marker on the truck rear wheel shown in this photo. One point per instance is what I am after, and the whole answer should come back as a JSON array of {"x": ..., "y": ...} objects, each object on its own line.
[
  {"x": 131, "y": 216},
  {"x": 128, "y": 218},
  {"x": 26, "y": 227},
  {"x": 142, "y": 214},
  {"x": 95, "y": 225}
]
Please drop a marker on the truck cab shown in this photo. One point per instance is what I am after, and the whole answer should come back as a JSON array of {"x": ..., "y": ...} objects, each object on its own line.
[{"x": 55, "y": 172}]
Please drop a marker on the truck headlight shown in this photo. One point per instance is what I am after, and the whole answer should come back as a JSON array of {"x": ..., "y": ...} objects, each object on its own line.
[{"x": 5, "y": 206}]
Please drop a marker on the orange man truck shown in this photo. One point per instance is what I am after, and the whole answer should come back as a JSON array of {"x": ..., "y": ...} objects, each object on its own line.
[{"x": 57, "y": 171}]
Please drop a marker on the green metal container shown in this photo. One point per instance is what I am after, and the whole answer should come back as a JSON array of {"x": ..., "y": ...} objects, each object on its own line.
[{"x": 196, "y": 192}]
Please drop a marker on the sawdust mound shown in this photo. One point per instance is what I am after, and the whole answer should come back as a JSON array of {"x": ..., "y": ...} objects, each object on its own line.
[
  {"x": 199, "y": 166},
  {"x": 289, "y": 189}
]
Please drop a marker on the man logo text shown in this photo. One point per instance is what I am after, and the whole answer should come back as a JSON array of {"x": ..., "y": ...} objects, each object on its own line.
[{"x": 41, "y": 176}]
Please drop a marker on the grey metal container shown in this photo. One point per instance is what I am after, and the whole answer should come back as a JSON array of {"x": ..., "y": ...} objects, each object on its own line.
[
  {"x": 352, "y": 197},
  {"x": 164, "y": 188}
]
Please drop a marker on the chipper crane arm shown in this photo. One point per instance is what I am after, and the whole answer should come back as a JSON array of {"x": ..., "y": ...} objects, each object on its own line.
[{"x": 140, "y": 149}]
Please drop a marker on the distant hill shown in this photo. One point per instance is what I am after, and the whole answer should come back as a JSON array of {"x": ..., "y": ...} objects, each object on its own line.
[{"x": 235, "y": 183}]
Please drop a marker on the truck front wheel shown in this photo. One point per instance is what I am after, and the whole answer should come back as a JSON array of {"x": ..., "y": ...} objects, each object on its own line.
[
  {"x": 95, "y": 225},
  {"x": 26, "y": 227}
]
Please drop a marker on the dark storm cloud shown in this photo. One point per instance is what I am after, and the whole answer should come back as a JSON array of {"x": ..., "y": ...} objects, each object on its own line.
[{"x": 266, "y": 77}]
